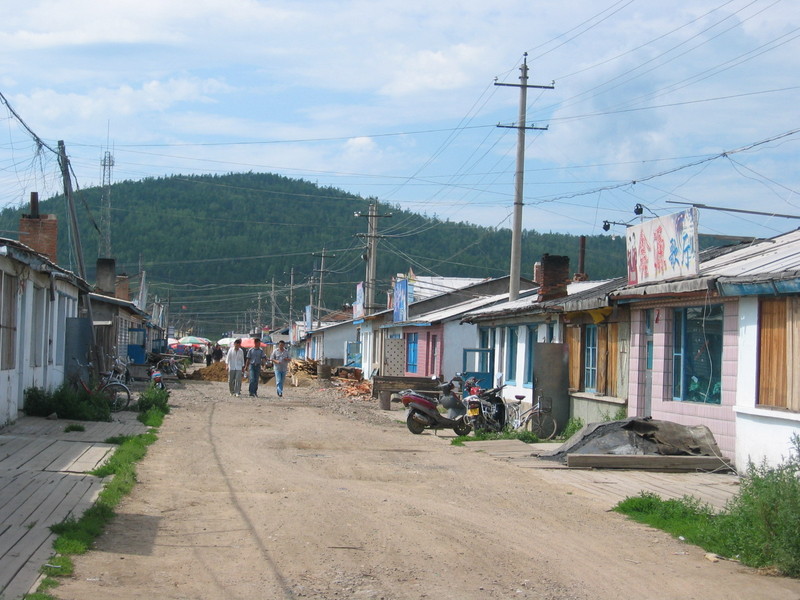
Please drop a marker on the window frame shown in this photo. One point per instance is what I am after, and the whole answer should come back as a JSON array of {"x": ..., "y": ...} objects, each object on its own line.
[
  {"x": 590, "y": 358},
  {"x": 684, "y": 373}
]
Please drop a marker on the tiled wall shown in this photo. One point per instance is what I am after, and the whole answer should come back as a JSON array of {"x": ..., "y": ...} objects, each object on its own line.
[{"x": 719, "y": 418}]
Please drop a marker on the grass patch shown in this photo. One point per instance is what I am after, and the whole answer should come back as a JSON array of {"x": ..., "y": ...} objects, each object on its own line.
[
  {"x": 760, "y": 526},
  {"x": 76, "y": 536},
  {"x": 479, "y": 436},
  {"x": 574, "y": 425},
  {"x": 66, "y": 402},
  {"x": 74, "y": 427},
  {"x": 153, "y": 397}
]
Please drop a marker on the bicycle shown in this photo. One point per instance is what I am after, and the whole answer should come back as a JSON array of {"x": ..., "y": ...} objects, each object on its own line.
[
  {"x": 115, "y": 393},
  {"x": 537, "y": 419}
]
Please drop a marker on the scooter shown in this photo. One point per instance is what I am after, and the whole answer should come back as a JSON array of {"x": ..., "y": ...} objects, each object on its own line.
[
  {"x": 423, "y": 410},
  {"x": 156, "y": 379}
]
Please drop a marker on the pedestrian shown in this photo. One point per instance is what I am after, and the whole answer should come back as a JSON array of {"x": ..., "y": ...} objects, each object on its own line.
[
  {"x": 216, "y": 353},
  {"x": 280, "y": 359},
  {"x": 208, "y": 354},
  {"x": 235, "y": 363},
  {"x": 255, "y": 359}
]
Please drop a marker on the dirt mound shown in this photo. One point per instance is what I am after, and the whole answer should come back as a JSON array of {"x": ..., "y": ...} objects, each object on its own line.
[{"x": 215, "y": 372}]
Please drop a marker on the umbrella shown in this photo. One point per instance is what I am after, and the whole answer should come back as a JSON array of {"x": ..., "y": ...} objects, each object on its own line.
[
  {"x": 194, "y": 340},
  {"x": 250, "y": 342},
  {"x": 171, "y": 341}
]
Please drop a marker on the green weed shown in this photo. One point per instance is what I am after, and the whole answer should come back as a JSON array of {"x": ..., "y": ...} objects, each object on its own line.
[
  {"x": 574, "y": 425},
  {"x": 525, "y": 436},
  {"x": 74, "y": 427},
  {"x": 760, "y": 526}
]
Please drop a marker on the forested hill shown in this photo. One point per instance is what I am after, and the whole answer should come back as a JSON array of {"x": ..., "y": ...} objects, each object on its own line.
[{"x": 214, "y": 244}]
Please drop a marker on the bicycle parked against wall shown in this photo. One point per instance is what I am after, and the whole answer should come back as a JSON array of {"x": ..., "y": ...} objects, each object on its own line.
[
  {"x": 537, "y": 419},
  {"x": 113, "y": 391}
]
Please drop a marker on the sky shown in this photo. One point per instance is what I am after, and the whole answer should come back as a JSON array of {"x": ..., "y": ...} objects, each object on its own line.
[{"x": 662, "y": 104}]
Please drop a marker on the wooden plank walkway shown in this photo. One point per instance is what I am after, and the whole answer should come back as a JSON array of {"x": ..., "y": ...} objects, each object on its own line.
[
  {"x": 610, "y": 486},
  {"x": 43, "y": 480}
]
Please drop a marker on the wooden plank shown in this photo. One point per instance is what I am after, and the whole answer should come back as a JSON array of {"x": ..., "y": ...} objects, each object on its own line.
[
  {"x": 24, "y": 452},
  {"x": 646, "y": 461},
  {"x": 92, "y": 458}
]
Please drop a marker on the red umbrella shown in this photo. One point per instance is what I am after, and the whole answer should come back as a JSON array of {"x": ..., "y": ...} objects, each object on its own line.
[{"x": 250, "y": 342}]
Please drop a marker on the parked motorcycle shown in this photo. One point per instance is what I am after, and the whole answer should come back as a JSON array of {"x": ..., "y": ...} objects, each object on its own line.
[
  {"x": 486, "y": 410},
  {"x": 423, "y": 410},
  {"x": 156, "y": 378}
]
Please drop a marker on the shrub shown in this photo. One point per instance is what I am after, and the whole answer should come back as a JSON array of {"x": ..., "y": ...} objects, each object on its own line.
[
  {"x": 67, "y": 403},
  {"x": 153, "y": 397},
  {"x": 760, "y": 525}
]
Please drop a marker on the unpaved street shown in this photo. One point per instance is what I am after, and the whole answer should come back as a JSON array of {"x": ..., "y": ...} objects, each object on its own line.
[{"x": 315, "y": 496}]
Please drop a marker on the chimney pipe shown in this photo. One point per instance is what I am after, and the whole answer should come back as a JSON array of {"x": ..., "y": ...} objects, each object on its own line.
[{"x": 34, "y": 205}]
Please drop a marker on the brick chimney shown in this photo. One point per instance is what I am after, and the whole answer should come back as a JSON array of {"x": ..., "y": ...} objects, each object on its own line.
[
  {"x": 39, "y": 232},
  {"x": 537, "y": 273},
  {"x": 122, "y": 288},
  {"x": 106, "y": 276},
  {"x": 555, "y": 277}
]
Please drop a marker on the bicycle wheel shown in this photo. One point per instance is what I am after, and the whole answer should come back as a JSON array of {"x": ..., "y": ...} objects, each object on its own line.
[
  {"x": 117, "y": 395},
  {"x": 513, "y": 420},
  {"x": 543, "y": 425}
]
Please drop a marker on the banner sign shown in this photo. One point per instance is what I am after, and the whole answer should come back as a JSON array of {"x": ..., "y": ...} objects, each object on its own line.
[
  {"x": 400, "y": 300},
  {"x": 309, "y": 319},
  {"x": 663, "y": 248},
  {"x": 358, "y": 305}
]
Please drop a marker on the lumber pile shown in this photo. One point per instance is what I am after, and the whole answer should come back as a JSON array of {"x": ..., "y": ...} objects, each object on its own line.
[{"x": 308, "y": 366}]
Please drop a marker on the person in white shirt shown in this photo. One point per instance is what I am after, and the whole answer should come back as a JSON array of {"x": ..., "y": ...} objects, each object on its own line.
[{"x": 235, "y": 362}]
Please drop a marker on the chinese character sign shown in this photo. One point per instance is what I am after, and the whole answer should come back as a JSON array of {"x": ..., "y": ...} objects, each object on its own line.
[
  {"x": 663, "y": 248},
  {"x": 400, "y": 300}
]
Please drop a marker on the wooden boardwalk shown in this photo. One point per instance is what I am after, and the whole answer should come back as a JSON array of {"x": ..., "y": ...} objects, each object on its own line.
[
  {"x": 43, "y": 480},
  {"x": 609, "y": 486}
]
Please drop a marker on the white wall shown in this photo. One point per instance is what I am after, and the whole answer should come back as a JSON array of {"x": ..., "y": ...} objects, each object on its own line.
[
  {"x": 761, "y": 434},
  {"x": 457, "y": 337}
]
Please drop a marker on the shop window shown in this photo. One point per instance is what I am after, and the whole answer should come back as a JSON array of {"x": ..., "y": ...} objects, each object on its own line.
[{"x": 697, "y": 354}]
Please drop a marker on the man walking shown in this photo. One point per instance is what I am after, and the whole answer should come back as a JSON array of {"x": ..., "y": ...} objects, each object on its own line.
[
  {"x": 235, "y": 363},
  {"x": 280, "y": 359},
  {"x": 255, "y": 358}
]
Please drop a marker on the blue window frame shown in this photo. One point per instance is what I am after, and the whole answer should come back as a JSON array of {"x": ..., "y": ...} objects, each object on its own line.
[
  {"x": 412, "y": 345},
  {"x": 511, "y": 355},
  {"x": 590, "y": 360},
  {"x": 697, "y": 354},
  {"x": 533, "y": 331}
]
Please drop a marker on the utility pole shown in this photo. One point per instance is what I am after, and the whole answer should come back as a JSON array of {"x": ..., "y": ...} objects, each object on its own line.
[
  {"x": 321, "y": 273},
  {"x": 272, "y": 303},
  {"x": 105, "y": 207},
  {"x": 63, "y": 162},
  {"x": 291, "y": 296},
  {"x": 516, "y": 230},
  {"x": 371, "y": 256}
]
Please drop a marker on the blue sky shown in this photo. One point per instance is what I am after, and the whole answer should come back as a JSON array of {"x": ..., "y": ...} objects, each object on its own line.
[{"x": 397, "y": 100}]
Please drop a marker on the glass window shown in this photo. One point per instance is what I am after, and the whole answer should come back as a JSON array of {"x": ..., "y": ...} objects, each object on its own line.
[
  {"x": 8, "y": 321},
  {"x": 511, "y": 354},
  {"x": 412, "y": 342},
  {"x": 532, "y": 340},
  {"x": 590, "y": 359},
  {"x": 697, "y": 354}
]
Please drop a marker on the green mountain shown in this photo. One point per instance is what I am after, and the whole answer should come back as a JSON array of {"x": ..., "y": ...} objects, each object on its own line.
[{"x": 213, "y": 245}]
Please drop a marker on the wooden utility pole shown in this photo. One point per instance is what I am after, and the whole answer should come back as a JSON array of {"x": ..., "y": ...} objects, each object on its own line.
[
  {"x": 371, "y": 256},
  {"x": 516, "y": 230},
  {"x": 63, "y": 161}
]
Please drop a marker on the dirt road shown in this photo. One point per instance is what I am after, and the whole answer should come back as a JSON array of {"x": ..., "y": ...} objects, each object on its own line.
[{"x": 314, "y": 496}]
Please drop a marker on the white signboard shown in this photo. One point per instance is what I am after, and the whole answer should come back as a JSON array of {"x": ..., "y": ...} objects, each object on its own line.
[{"x": 663, "y": 248}]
